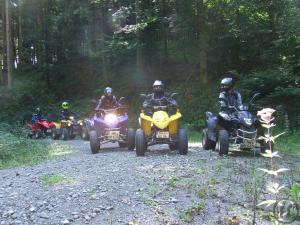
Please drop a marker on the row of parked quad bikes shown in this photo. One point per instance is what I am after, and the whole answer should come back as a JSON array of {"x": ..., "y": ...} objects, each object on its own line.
[
  {"x": 160, "y": 127},
  {"x": 111, "y": 125}
]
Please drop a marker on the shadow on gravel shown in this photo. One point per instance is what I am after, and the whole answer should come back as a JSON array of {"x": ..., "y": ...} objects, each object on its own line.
[
  {"x": 249, "y": 154},
  {"x": 112, "y": 149},
  {"x": 160, "y": 150}
]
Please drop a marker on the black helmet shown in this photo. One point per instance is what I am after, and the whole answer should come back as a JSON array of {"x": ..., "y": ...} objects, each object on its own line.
[
  {"x": 158, "y": 86},
  {"x": 227, "y": 83},
  {"x": 108, "y": 91}
]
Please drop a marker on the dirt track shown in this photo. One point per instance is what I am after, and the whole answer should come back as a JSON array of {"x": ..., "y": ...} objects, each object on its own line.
[{"x": 116, "y": 187}]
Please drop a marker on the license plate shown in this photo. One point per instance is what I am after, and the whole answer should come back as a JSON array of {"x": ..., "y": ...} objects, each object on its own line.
[
  {"x": 113, "y": 135},
  {"x": 249, "y": 144},
  {"x": 163, "y": 134},
  {"x": 49, "y": 131}
]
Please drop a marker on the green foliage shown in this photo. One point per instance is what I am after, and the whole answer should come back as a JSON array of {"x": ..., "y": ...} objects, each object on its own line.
[
  {"x": 79, "y": 47},
  {"x": 17, "y": 150},
  {"x": 188, "y": 214},
  {"x": 289, "y": 143},
  {"x": 56, "y": 179}
]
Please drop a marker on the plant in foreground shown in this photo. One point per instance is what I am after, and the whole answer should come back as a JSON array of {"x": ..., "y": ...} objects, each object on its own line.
[{"x": 283, "y": 210}]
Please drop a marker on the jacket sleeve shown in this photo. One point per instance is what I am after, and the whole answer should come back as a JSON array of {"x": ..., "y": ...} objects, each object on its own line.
[
  {"x": 223, "y": 102},
  {"x": 239, "y": 99},
  {"x": 100, "y": 102},
  {"x": 116, "y": 103},
  {"x": 147, "y": 101}
]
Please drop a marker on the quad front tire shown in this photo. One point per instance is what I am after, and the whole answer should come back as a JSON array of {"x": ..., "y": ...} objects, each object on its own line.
[
  {"x": 182, "y": 142},
  {"x": 94, "y": 142},
  {"x": 223, "y": 142},
  {"x": 140, "y": 142}
]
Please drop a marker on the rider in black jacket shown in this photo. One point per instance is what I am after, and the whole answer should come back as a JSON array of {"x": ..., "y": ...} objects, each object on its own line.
[
  {"x": 108, "y": 100},
  {"x": 229, "y": 97},
  {"x": 158, "y": 97}
]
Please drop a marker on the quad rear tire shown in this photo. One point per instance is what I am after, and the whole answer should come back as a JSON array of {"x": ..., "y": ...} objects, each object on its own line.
[
  {"x": 140, "y": 142},
  {"x": 223, "y": 142},
  {"x": 206, "y": 142},
  {"x": 71, "y": 133},
  {"x": 130, "y": 139},
  {"x": 54, "y": 133},
  {"x": 85, "y": 133},
  {"x": 38, "y": 134},
  {"x": 94, "y": 142},
  {"x": 65, "y": 134},
  {"x": 182, "y": 142},
  {"x": 122, "y": 144},
  {"x": 173, "y": 146}
]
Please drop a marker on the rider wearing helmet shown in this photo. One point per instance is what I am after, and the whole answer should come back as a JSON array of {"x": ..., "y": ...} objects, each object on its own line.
[
  {"x": 37, "y": 116},
  {"x": 158, "y": 97},
  {"x": 65, "y": 112},
  {"x": 108, "y": 100},
  {"x": 229, "y": 97}
]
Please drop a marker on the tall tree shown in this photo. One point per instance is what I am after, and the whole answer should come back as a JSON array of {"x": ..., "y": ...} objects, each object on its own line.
[
  {"x": 203, "y": 39},
  {"x": 8, "y": 45}
]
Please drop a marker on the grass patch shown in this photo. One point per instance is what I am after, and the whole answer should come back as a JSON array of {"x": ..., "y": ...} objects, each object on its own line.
[
  {"x": 289, "y": 143},
  {"x": 202, "y": 193},
  {"x": 56, "y": 179},
  {"x": 189, "y": 214},
  {"x": 172, "y": 182},
  {"x": 16, "y": 150}
]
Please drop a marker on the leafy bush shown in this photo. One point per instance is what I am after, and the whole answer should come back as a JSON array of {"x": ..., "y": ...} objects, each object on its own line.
[{"x": 17, "y": 150}]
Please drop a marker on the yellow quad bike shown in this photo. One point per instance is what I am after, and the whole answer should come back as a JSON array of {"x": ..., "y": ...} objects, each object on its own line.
[
  {"x": 161, "y": 128},
  {"x": 67, "y": 129}
]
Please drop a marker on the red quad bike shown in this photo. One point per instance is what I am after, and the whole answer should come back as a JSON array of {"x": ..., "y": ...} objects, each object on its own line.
[{"x": 40, "y": 129}]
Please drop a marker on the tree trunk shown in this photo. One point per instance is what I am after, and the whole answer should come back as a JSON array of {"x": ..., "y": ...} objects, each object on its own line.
[
  {"x": 203, "y": 42},
  {"x": 20, "y": 36},
  {"x": 139, "y": 53},
  {"x": 46, "y": 38},
  {"x": 102, "y": 44},
  {"x": 4, "y": 78},
  {"x": 8, "y": 45}
]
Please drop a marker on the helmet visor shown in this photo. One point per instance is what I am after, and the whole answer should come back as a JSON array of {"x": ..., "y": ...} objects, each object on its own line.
[{"x": 158, "y": 88}]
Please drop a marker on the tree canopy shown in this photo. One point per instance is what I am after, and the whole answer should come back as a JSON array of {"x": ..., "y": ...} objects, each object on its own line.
[{"x": 76, "y": 47}]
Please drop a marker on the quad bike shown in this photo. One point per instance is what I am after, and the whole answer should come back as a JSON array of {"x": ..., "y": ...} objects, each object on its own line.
[
  {"x": 161, "y": 128},
  {"x": 111, "y": 126},
  {"x": 40, "y": 129},
  {"x": 67, "y": 129},
  {"x": 238, "y": 129}
]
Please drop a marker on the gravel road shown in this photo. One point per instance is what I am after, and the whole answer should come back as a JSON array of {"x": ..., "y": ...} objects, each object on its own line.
[{"x": 115, "y": 187}]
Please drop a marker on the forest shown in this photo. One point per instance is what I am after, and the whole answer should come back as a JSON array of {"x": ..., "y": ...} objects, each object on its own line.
[
  {"x": 55, "y": 51},
  {"x": 70, "y": 50}
]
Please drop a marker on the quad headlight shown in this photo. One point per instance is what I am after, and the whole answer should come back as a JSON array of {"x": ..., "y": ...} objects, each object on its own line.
[{"x": 111, "y": 118}]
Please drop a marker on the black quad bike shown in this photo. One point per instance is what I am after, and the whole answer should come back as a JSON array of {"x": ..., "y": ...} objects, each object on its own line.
[{"x": 237, "y": 129}]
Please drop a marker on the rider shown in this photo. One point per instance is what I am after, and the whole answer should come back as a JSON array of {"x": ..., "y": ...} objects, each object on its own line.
[
  {"x": 158, "y": 97},
  {"x": 229, "y": 97},
  {"x": 37, "y": 116},
  {"x": 108, "y": 100},
  {"x": 65, "y": 112}
]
